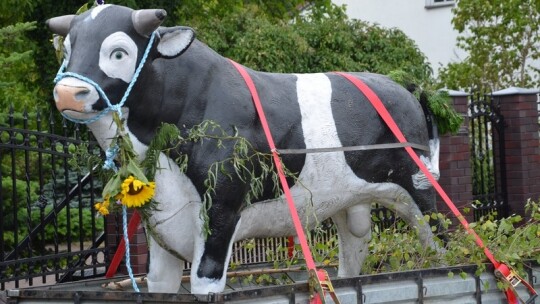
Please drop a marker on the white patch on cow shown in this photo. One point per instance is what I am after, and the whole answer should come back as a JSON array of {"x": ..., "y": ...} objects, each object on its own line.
[
  {"x": 175, "y": 42},
  {"x": 420, "y": 181},
  {"x": 118, "y": 56},
  {"x": 321, "y": 169},
  {"x": 98, "y": 9},
  {"x": 67, "y": 49}
]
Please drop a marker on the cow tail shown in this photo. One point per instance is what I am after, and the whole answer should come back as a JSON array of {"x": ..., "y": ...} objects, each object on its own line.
[{"x": 433, "y": 133}]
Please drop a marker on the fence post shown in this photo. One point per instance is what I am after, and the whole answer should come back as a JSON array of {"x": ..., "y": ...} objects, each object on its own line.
[
  {"x": 455, "y": 161},
  {"x": 519, "y": 107},
  {"x": 137, "y": 245}
]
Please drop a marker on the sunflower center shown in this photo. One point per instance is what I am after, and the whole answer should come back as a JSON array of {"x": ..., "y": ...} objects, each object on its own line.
[{"x": 134, "y": 190}]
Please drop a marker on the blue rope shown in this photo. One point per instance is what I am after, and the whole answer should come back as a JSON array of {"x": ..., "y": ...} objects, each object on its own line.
[
  {"x": 112, "y": 151},
  {"x": 126, "y": 241}
]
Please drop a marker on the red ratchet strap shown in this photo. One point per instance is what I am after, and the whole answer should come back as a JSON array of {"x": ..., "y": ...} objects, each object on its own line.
[
  {"x": 502, "y": 271},
  {"x": 319, "y": 276},
  {"x": 132, "y": 227}
]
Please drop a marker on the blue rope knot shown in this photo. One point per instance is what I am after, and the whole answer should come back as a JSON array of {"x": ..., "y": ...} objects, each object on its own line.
[
  {"x": 110, "y": 155},
  {"x": 110, "y": 107}
]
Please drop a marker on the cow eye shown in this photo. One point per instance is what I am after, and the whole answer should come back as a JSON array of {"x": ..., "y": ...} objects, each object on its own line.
[{"x": 118, "y": 54}]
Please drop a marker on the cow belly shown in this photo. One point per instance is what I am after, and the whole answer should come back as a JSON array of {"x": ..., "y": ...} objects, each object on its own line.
[{"x": 272, "y": 218}]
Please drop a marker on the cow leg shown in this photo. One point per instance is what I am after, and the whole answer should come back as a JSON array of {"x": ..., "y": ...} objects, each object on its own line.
[
  {"x": 208, "y": 273},
  {"x": 165, "y": 273},
  {"x": 354, "y": 233}
]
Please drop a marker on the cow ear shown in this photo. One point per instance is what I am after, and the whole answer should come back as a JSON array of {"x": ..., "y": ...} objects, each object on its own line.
[{"x": 174, "y": 40}]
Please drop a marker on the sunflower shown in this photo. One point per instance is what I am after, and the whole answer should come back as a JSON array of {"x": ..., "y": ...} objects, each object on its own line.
[
  {"x": 136, "y": 193},
  {"x": 103, "y": 207}
]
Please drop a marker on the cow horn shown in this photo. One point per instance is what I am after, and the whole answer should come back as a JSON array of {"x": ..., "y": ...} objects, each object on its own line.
[
  {"x": 60, "y": 25},
  {"x": 148, "y": 20}
]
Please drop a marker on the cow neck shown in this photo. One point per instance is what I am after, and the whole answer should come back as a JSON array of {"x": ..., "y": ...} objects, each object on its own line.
[{"x": 110, "y": 107}]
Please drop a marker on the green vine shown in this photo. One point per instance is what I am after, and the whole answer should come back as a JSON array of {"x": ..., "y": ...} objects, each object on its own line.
[{"x": 240, "y": 164}]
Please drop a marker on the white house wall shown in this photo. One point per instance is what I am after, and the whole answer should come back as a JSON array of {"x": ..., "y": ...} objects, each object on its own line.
[{"x": 430, "y": 28}]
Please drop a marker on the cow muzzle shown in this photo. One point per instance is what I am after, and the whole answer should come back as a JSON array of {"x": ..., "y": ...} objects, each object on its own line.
[
  {"x": 70, "y": 98},
  {"x": 74, "y": 96}
]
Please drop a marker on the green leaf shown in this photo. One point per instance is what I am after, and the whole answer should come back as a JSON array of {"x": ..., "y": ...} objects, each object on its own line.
[
  {"x": 134, "y": 169},
  {"x": 113, "y": 186}
]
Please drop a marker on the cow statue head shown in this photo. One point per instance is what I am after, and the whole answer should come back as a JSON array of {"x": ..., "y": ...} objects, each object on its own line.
[{"x": 104, "y": 50}]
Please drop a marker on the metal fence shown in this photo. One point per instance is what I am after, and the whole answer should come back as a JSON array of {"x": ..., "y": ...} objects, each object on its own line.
[
  {"x": 49, "y": 233},
  {"x": 486, "y": 129}
]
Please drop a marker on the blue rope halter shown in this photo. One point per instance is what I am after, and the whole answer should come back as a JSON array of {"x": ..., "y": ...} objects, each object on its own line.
[{"x": 110, "y": 107}]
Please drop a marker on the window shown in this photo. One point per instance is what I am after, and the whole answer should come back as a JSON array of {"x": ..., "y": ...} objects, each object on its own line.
[{"x": 439, "y": 3}]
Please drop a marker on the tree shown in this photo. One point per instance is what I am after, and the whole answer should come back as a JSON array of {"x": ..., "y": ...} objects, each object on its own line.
[
  {"x": 502, "y": 38},
  {"x": 17, "y": 50},
  {"x": 322, "y": 40},
  {"x": 18, "y": 67},
  {"x": 319, "y": 41}
]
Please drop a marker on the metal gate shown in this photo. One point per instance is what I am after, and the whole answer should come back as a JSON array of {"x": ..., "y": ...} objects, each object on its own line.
[
  {"x": 49, "y": 230},
  {"x": 486, "y": 131}
]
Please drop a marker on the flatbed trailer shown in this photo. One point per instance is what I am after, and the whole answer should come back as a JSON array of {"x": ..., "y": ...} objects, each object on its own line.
[{"x": 436, "y": 285}]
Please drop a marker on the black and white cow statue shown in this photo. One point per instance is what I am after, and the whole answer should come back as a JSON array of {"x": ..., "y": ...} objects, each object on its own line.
[{"x": 184, "y": 82}]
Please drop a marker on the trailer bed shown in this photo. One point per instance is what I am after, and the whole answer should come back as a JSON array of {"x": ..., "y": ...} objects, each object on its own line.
[{"x": 421, "y": 286}]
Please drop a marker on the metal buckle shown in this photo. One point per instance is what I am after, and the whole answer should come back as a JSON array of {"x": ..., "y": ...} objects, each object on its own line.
[
  {"x": 508, "y": 275},
  {"x": 319, "y": 283}
]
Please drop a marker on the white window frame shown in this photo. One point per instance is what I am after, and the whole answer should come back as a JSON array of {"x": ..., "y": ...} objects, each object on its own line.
[{"x": 433, "y": 4}]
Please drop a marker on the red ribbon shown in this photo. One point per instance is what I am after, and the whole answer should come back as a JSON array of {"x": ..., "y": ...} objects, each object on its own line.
[
  {"x": 132, "y": 227},
  {"x": 310, "y": 263}
]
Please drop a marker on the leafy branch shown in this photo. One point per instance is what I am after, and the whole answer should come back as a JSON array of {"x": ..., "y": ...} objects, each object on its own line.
[{"x": 245, "y": 162}]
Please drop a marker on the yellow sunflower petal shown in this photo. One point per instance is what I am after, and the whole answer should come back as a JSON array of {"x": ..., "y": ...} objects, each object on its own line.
[
  {"x": 127, "y": 183},
  {"x": 137, "y": 184}
]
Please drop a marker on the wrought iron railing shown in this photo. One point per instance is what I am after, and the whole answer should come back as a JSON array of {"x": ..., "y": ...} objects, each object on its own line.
[
  {"x": 49, "y": 232},
  {"x": 487, "y": 157}
]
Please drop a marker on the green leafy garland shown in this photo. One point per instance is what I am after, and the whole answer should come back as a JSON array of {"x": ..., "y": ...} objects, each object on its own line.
[
  {"x": 242, "y": 161},
  {"x": 132, "y": 184}
]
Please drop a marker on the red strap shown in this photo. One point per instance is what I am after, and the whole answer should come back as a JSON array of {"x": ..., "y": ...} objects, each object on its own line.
[
  {"x": 292, "y": 208},
  {"x": 118, "y": 255},
  {"x": 387, "y": 118},
  {"x": 310, "y": 263}
]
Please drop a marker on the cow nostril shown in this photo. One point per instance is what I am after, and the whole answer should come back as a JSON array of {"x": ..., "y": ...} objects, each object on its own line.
[{"x": 80, "y": 95}]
